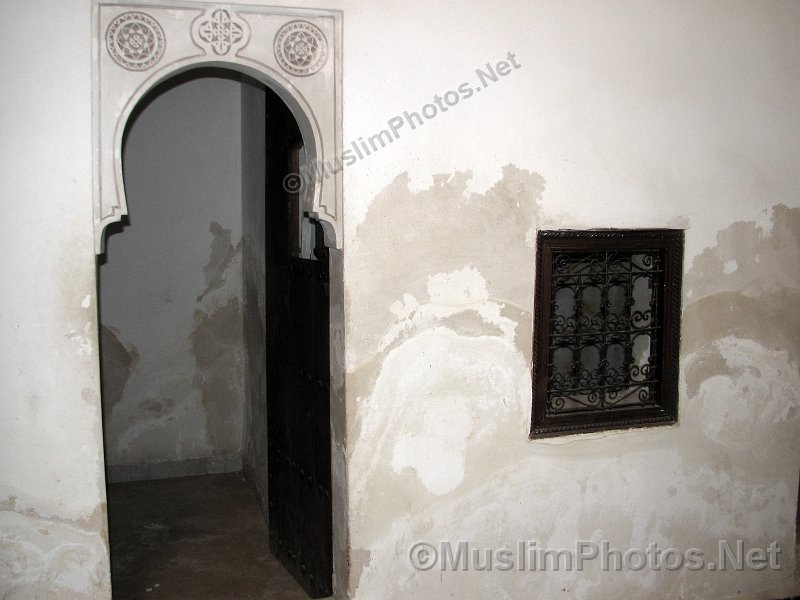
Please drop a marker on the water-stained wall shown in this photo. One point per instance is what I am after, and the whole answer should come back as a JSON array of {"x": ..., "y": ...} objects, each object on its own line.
[
  {"x": 629, "y": 117},
  {"x": 171, "y": 288},
  {"x": 254, "y": 436},
  {"x": 636, "y": 114},
  {"x": 440, "y": 450}
]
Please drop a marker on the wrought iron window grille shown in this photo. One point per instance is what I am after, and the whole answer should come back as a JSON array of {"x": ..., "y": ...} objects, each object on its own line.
[{"x": 607, "y": 330}]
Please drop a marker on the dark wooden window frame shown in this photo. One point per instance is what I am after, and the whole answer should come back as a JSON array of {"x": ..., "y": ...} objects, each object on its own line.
[{"x": 664, "y": 411}]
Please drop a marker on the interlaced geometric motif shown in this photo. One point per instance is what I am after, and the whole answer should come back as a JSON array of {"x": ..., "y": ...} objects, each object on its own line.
[
  {"x": 301, "y": 48},
  {"x": 135, "y": 41},
  {"x": 221, "y": 32}
]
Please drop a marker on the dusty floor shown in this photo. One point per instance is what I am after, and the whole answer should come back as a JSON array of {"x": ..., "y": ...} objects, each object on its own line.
[{"x": 193, "y": 538}]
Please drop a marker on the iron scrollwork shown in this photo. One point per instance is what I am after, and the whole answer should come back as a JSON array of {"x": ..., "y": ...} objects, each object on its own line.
[{"x": 606, "y": 329}]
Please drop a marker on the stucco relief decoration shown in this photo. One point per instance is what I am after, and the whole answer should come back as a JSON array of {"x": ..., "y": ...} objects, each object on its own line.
[
  {"x": 220, "y": 32},
  {"x": 135, "y": 41},
  {"x": 131, "y": 56},
  {"x": 301, "y": 48}
]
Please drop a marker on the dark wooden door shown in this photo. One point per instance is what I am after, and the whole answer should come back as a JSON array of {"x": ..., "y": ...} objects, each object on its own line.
[{"x": 298, "y": 378}]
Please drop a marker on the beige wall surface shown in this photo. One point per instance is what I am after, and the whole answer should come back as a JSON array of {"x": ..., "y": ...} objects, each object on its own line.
[{"x": 631, "y": 114}]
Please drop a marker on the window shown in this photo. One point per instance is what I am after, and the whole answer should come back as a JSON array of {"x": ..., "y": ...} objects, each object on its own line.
[{"x": 606, "y": 330}]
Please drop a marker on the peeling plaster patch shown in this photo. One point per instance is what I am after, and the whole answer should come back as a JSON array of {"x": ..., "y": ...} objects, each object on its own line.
[
  {"x": 436, "y": 453},
  {"x": 117, "y": 362},
  {"x": 422, "y": 469},
  {"x": 741, "y": 334},
  {"x": 449, "y": 294},
  {"x": 87, "y": 301},
  {"x": 765, "y": 261},
  {"x": 157, "y": 407},
  {"x": 84, "y": 339},
  {"x": 359, "y": 562},
  {"x": 9, "y": 504},
  {"x": 185, "y": 401},
  {"x": 135, "y": 434},
  {"x": 52, "y": 558},
  {"x": 434, "y": 351},
  {"x": 69, "y": 570},
  {"x": 403, "y": 309},
  {"x": 427, "y": 418},
  {"x": 407, "y": 237},
  {"x": 222, "y": 253},
  {"x": 730, "y": 267},
  {"x": 770, "y": 318},
  {"x": 254, "y": 438},
  {"x": 741, "y": 347},
  {"x": 724, "y": 494},
  {"x": 469, "y": 323},
  {"x": 90, "y": 396},
  {"x": 145, "y": 435},
  {"x": 497, "y": 512},
  {"x": 755, "y": 301},
  {"x": 26, "y": 505},
  {"x": 216, "y": 343},
  {"x": 530, "y": 237},
  {"x": 760, "y": 391},
  {"x": 708, "y": 360}
]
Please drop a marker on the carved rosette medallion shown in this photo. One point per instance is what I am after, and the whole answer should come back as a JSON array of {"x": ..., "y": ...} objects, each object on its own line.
[
  {"x": 301, "y": 48},
  {"x": 220, "y": 32},
  {"x": 135, "y": 41}
]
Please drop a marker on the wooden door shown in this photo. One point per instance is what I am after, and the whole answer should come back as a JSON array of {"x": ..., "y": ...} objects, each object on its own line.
[{"x": 298, "y": 383}]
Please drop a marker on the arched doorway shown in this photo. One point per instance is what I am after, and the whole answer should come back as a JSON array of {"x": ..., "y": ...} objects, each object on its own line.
[{"x": 281, "y": 311}]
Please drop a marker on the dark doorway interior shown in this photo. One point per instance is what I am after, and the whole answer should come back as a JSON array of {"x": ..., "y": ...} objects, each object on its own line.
[
  {"x": 202, "y": 538},
  {"x": 202, "y": 530}
]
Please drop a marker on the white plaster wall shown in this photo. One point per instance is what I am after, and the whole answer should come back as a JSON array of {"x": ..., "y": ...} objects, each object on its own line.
[
  {"x": 52, "y": 498},
  {"x": 633, "y": 114},
  {"x": 170, "y": 273}
]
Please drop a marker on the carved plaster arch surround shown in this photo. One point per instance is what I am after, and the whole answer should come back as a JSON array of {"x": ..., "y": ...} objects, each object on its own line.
[{"x": 295, "y": 52}]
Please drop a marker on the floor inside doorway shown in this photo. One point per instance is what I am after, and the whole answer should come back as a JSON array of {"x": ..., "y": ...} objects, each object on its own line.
[{"x": 198, "y": 538}]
